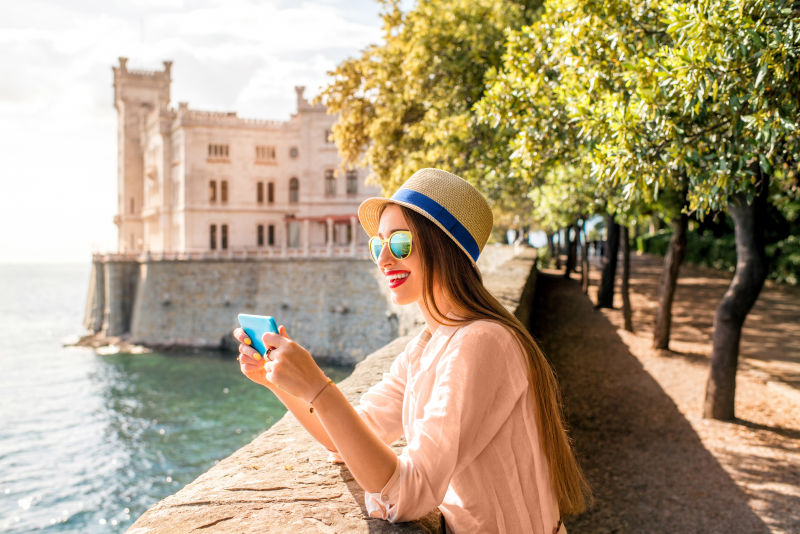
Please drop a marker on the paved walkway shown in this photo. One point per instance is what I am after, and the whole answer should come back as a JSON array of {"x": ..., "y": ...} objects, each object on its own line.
[{"x": 649, "y": 468}]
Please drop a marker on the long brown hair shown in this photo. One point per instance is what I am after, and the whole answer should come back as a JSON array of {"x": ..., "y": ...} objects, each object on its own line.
[{"x": 443, "y": 262}]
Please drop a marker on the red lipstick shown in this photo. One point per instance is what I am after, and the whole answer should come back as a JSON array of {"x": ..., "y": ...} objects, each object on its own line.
[{"x": 397, "y": 278}]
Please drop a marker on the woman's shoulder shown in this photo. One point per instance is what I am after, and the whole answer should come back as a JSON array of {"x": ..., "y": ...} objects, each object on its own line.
[
  {"x": 491, "y": 348},
  {"x": 488, "y": 332}
]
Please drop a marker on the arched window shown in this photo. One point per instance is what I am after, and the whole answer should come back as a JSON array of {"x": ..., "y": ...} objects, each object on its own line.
[{"x": 294, "y": 191}]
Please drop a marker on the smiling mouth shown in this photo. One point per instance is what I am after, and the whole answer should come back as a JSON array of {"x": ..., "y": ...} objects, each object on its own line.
[{"x": 397, "y": 278}]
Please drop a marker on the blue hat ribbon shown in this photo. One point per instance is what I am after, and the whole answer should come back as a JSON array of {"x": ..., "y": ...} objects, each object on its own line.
[{"x": 442, "y": 216}]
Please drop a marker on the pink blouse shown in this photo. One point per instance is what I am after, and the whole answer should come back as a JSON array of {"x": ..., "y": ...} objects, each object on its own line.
[{"x": 461, "y": 398}]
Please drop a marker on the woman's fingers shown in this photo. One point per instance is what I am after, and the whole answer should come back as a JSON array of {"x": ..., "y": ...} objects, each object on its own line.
[
  {"x": 282, "y": 330},
  {"x": 271, "y": 339},
  {"x": 241, "y": 336},
  {"x": 249, "y": 351}
]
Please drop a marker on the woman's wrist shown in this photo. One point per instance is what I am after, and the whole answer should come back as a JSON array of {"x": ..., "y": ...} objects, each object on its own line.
[{"x": 318, "y": 389}]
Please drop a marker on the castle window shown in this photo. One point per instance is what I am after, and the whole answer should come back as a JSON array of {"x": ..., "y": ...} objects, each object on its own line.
[
  {"x": 132, "y": 205},
  {"x": 265, "y": 154},
  {"x": 294, "y": 191},
  {"x": 224, "y": 237},
  {"x": 260, "y": 192},
  {"x": 218, "y": 151},
  {"x": 329, "y": 136},
  {"x": 271, "y": 192},
  {"x": 260, "y": 238},
  {"x": 330, "y": 183},
  {"x": 212, "y": 235},
  {"x": 223, "y": 190},
  {"x": 212, "y": 191},
  {"x": 293, "y": 152},
  {"x": 271, "y": 235},
  {"x": 352, "y": 182}
]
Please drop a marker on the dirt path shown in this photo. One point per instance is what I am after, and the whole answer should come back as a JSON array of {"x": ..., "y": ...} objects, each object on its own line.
[{"x": 655, "y": 465}]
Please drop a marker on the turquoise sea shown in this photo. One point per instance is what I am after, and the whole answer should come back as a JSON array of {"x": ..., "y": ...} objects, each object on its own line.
[{"x": 89, "y": 442}]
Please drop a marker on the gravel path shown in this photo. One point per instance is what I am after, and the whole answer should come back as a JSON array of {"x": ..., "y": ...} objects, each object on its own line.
[{"x": 654, "y": 464}]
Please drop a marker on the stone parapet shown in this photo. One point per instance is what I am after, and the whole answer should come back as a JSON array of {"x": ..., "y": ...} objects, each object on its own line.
[{"x": 283, "y": 482}]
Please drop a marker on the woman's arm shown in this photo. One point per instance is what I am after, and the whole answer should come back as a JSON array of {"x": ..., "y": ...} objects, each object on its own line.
[
  {"x": 252, "y": 366},
  {"x": 292, "y": 369},
  {"x": 334, "y": 423},
  {"x": 369, "y": 459}
]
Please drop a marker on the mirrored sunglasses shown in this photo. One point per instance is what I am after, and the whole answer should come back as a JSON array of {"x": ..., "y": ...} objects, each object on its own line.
[{"x": 399, "y": 245}]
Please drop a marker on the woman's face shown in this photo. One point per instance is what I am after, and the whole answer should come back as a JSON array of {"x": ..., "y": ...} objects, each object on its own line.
[{"x": 404, "y": 277}]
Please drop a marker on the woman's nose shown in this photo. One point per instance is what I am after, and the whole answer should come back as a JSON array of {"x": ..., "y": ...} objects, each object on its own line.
[{"x": 385, "y": 258}]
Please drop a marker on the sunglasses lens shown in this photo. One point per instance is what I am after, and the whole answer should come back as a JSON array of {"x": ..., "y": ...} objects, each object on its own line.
[
  {"x": 400, "y": 245},
  {"x": 375, "y": 247}
]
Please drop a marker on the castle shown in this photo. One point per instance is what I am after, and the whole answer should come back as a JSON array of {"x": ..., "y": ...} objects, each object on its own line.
[
  {"x": 209, "y": 183},
  {"x": 218, "y": 215}
]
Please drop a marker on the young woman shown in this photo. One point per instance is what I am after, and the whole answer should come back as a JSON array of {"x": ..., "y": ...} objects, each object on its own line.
[{"x": 472, "y": 394}]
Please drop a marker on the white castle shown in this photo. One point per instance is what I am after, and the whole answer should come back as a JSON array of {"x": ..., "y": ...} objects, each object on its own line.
[{"x": 199, "y": 182}]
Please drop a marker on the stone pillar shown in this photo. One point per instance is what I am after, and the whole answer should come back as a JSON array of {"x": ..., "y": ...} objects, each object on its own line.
[
  {"x": 120, "y": 290},
  {"x": 353, "y": 233},
  {"x": 95, "y": 299},
  {"x": 283, "y": 237},
  {"x": 331, "y": 237},
  {"x": 306, "y": 236}
]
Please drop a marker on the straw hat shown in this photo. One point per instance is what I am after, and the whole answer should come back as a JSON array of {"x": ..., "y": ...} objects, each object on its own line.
[{"x": 447, "y": 200}]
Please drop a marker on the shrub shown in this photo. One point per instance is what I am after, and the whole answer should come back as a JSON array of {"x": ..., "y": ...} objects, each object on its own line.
[{"x": 720, "y": 253}]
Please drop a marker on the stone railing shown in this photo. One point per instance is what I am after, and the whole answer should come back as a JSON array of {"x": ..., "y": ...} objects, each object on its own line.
[
  {"x": 339, "y": 251},
  {"x": 283, "y": 482}
]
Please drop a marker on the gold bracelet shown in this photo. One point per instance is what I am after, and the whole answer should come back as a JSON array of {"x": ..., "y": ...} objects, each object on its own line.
[{"x": 310, "y": 407}]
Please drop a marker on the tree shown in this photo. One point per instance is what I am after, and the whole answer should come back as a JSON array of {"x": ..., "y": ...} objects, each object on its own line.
[
  {"x": 407, "y": 103},
  {"x": 668, "y": 95},
  {"x": 669, "y": 275}
]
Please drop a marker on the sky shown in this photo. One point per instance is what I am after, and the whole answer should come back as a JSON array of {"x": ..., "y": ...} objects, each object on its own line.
[{"x": 58, "y": 147}]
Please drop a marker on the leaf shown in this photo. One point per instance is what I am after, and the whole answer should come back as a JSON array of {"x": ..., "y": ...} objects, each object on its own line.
[{"x": 761, "y": 73}]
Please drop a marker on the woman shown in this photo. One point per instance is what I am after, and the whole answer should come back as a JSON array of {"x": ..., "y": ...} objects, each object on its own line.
[{"x": 472, "y": 393}]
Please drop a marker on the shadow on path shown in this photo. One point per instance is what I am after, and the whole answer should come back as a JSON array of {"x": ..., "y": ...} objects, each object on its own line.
[{"x": 647, "y": 467}]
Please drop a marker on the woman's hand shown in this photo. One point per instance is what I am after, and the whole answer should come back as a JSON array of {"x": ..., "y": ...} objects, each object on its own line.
[
  {"x": 251, "y": 363},
  {"x": 291, "y": 367}
]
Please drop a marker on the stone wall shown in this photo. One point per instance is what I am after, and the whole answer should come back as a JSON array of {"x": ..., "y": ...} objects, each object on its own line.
[
  {"x": 283, "y": 482},
  {"x": 339, "y": 308}
]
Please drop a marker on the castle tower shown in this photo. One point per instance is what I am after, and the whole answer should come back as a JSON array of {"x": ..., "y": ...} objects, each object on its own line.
[{"x": 137, "y": 94}]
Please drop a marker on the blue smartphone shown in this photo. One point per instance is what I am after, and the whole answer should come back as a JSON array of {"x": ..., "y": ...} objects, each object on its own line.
[{"x": 255, "y": 326}]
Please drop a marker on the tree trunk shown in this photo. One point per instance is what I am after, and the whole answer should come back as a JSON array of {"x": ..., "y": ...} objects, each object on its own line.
[
  {"x": 605, "y": 293},
  {"x": 584, "y": 259},
  {"x": 669, "y": 281},
  {"x": 558, "y": 250},
  {"x": 751, "y": 271},
  {"x": 627, "y": 314},
  {"x": 572, "y": 249}
]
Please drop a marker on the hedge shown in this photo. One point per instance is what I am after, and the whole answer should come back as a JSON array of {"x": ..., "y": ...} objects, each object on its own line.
[{"x": 720, "y": 253}]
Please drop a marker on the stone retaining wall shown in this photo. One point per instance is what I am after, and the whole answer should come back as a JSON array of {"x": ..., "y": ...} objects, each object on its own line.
[
  {"x": 283, "y": 482},
  {"x": 339, "y": 308}
]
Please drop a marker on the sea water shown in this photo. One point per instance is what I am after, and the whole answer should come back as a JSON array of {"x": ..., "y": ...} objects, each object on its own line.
[{"x": 89, "y": 442}]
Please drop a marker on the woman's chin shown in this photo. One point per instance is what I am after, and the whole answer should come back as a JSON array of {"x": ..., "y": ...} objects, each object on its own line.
[{"x": 401, "y": 299}]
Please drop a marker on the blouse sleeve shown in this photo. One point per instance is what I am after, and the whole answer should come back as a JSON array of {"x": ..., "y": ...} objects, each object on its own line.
[
  {"x": 478, "y": 382},
  {"x": 381, "y": 407}
]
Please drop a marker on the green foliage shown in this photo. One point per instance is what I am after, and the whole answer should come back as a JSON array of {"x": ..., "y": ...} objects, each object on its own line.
[
  {"x": 720, "y": 253},
  {"x": 655, "y": 95},
  {"x": 407, "y": 103},
  {"x": 543, "y": 258},
  {"x": 786, "y": 268}
]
